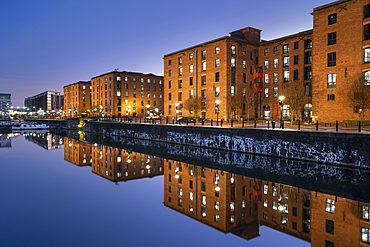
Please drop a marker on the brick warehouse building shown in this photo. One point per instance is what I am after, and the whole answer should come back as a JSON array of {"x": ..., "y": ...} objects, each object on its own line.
[
  {"x": 126, "y": 94},
  {"x": 77, "y": 101},
  {"x": 337, "y": 49}
]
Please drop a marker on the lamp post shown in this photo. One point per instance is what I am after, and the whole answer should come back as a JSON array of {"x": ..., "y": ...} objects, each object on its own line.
[
  {"x": 281, "y": 98},
  {"x": 217, "y": 109},
  {"x": 177, "y": 111}
]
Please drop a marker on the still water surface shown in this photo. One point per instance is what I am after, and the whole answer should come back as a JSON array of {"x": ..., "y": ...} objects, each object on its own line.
[{"x": 58, "y": 191}]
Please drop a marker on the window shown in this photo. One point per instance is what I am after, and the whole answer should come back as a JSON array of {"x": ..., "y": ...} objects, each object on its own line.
[
  {"x": 286, "y": 75},
  {"x": 191, "y": 196},
  {"x": 266, "y": 64},
  {"x": 204, "y": 202},
  {"x": 169, "y": 62},
  {"x": 233, "y": 49},
  {"x": 191, "y": 56},
  {"x": 191, "y": 94},
  {"x": 180, "y": 83},
  {"x": 217, "y": 49},
  {"x": 286, "y": 49},
  {"x": 266, "y": 92},
  {"x": 217, "y": 92},
  {"x": 365, "y": 212},
  {"x": 265, "y": 189},
  {"x": 332, "y": 59},
  {"x": 308, "y": 57},
  {"x": 307, "y": 73},
  {"x": 180, "y": 60},
  {"x": 244, "y": 78},
  {"x": 295, "y": 74},
  {"x": 332, "y": 19},
  {"x": 275, "y": 77},
  {"x": 217, "y": 63},
  {"x": 329, "y": 205},
  {"x": 244, "y": 51},
  {"x": 217, "y": 205},
  {"x": 367, "y": 32},
  {"x": 294, "y": 226},
  {"x": 274, "y": 191},
  {"x": 204, "y": 93},
  {"x": 169, "y": 73},
  {"x": 308, "y": 44},
  {"x": 119, "y": 78},
  {"x": 296, "y": 45},
  {"x": 204, "y": 54},
  {"x": 233, "y": 62},
  {"x": 332, "y": 80},
  {"x": 217, "y": 218},
  {"x": 284, "y": 220},
  {"x": 329, "y": 244},
  {"x": 296, "y": 59},
  {"x": 169, "y": 96},
  {"x": 365, "y": 235},
  {"x": 367, "y": 55},
  {"x": 275, "y": 92},
  {"x": 274, "y": 205},
  {"x": 169, "y": 85},
  {"x": 275, "y": 49},
  {"x": 244, "y": 64},
  {"x": 204, "y": 80},
  {"x": 217, "y": 77},
  {"x": 266, "y": 78},
  {"x": 179, "y": 98},
  {"x": 191, "y": 68},
  {"x": 286, "y": 61},
  {"x": 180, "y": 71},
  {"x": 329, "y": 226},
  {"x": 276, "y": 61},
  {"x": 367, "y": 78},
  {"x": 367, "y": 11},
  {"x": 266, "y": 51},
  {"x": 204, "y": 66},
  {"x": 233, "y": 76},
  {"x": 191, "y": 81},
  {"x": 332, "y": 38},
  {"x": 331, "y": 97},
  {"x": 232, "y": 91}
]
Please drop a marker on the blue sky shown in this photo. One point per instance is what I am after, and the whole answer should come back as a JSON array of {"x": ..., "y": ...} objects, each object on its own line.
[{"x": 46, "y": 45}]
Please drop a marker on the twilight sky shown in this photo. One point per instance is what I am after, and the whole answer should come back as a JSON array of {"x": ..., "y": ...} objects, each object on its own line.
[{"x": 46, "y": 45}]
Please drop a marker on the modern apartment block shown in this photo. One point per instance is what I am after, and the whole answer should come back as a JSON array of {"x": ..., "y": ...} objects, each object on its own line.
[
  {"x": 242, "y": 75},
  {"x": 5, "y": 103},
  {"x": 77, "y": 101},
  {"x": 127, "y": 94},
  {"x": 48, "y": 101}
]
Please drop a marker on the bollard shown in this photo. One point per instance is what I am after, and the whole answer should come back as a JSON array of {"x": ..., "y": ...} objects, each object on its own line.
[
  {"x": 336, "y": 126},
  {"x": 167, "y": 120},
  {"x": 202, "y": 122},
  {"x": 187, "y": 121},
  {"x": 160, "y": 120},
  {"x": 299, "y": 124},
  {"x": 173, "y": 121},
  {"x": 140, "y": 120},
  {"x": 273, "y": 124},
  {"x": 282, "y": 124},
  {"x": 359, "y": 126},
  {"x": 255, "y": 123},
  {"x": 221, "y": 122},
  {"x": 211, "y": 122},
  {"x": 231, "y": 123},
  {"x": 317, "y": 125},
  {"x": 268, "y": 124},
  {"x": 243, "y": 123},
  {"x": 195, "y": 122}
]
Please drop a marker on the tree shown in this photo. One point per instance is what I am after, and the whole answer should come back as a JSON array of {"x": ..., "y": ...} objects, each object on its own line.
[
  {"x": 242, "y": 100},
  {"x": 294, "y": 97},
  {"x": 359, "y": 95},
  {"x": 193, "y": 105}
]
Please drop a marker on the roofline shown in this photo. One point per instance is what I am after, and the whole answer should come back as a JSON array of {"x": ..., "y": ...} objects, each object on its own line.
[
  {"x": 329, "y": 5},
  {"x": 310, "y": 31},
  {"x": 208, "y": 42},
  {"x": 127, "y": 72},
  {"x": 89, "y": 82}
]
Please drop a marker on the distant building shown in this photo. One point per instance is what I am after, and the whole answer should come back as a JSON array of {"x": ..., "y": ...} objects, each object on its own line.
[
  {"x": 5, "y": 103},
  {"x": 127, "y": 94},
  {"x": 48, "y": 101},
  {"x": 77, "y": 100}
]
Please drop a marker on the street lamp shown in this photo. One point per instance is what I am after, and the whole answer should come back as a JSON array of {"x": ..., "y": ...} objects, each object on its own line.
[
  {"x": 217, "y": 109},
  {"x": 281, "y": 98},
  {"x": 177, "y": 111}
]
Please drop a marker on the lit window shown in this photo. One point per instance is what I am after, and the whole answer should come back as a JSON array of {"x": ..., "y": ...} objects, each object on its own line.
[
  {"x": 274, "y": 205},
  {"x": 191, "y": 56},
  {"x": 204, "y": 200},
  {"x": 204, "y": 66},
  {"x": 265, "y": 189},
  {"x": 284, "y": 220},
  {"x": 180, "y": 191},
  {"x": 367, "y": 55},
  {"x": 243, "y": 204},
  {"x": 365, "y": 214},
  {"x": 233, "y": 62},
  {"x": 330, "y": 207},
  {"x": 286, "y": 75},
  {"x": 275, "y": 77},
  {"x": 217, "y": 49},
  {"x": 274, "y": 191},
  {"x": 191, "y": 197},
  {"x": 275, "y": 92},
  {"x": 217, "y": 92},
  {"x": 232, "y": 91},
  {"x": 266, "y": 64},
  {"x": 232, "y": 206},
  {"x": 191, "y": 68},
  {"x": 332, "y": 80},
  {"x": 204, "y": 54},
  {"x": 266, "y": 78},
  {"x": 365, "y": 236},
  {"x": 286, "y": 61},
  {"x": 191, "y": 208},
  {"x": 217, "y": 205},
  {"x": 276, "y": 62},
  {"x": 285, "y": 49},
  {"x": 266, "y": 92},
  {"x": 233, "y": 49},
  {"x": 217, "y": 63},
  {"x": 217, "y": 218},
  {"x": 203, "y": 212},
  {"x": 265, "y": 203},
  {"x": 180, "y": 71}
]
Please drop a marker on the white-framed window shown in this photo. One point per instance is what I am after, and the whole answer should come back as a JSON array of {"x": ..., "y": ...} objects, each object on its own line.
[
  {"x": 126, "y": 78},
  {"x": 217, "y": 92},
  {"x": 233, "y": 49},
  {"x": 243, "y": 204},
  {"x": 367, "y": 55},
  {"x": 332, "y": 80},
  {"x": 191, "y": 196},
  {"x": 191, "y": 68},
  {"x": 265, "y": 189},
  {"x": 217, "y": 62},
  {"x": 204, "y": 66},
  {"x": 217, "y": 49},
  {"x": 366, "y": 212},
  {"x": 204, "y": 202},
  {"x": 217, "y": 205},
  {"x": 276, "y": 63},
  {"x": 232, "y": 206},
  {"x": 180, "y": 71},
  {"x": 266, "y": 92},
  {"x": 365, "y": 235},
  {"x": 265, "y": 203},
  {"x": 266, "y": 64},
  {"x": 232, "y": 91},
  {"x": 367, "y": 78},
  {"x": 233, "y": 62},
  {"x": 286, "y": 75},
  {"x": 266, "y": 78},
  {"x": 244, "y": 64},
  {"x": 191, "y": 56},
  {"x": 275, "y": 92},
  {"x": 330, "y": 207},
  {"x": 275, "y": 77},
  {"x": 274, "y": 191},
  {"x": 286, "y": 61},
  {"x": 274, "y": 205}
]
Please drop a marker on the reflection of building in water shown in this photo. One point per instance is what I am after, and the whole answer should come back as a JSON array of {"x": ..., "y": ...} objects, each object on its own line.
[
  {"x": 77, "y": 152},
  {"x": 238, "y": 204},
  {"x": 46, "y": 140},
  {"x": 122, "y": 165},
  {"x": 6, "y": 140}
]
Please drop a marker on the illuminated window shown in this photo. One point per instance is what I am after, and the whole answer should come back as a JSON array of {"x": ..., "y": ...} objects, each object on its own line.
[
  {"x": 274, "y": 205},
  {"x": 265, "y": 189},
  {"x": 365, "y": 236},
  {"x": 330, "y": 207},
  {"x": 204, "y": 200},
  {"x": 191, "y": 197},
  {"x": 217, "y": 205},
  {"x": 265, "y": 203}
]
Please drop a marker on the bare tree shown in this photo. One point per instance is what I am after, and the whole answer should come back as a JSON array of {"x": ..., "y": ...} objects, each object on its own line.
[
  {"x": 295, "y": 97},
  {"x": 359, "y": 95},
  {"x": 193, "y": 105},
  {"x": 242, "y": 100}
]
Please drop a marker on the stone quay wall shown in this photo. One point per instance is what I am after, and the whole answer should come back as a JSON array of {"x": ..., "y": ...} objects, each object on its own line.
[{"x": 348, "y": 149}]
